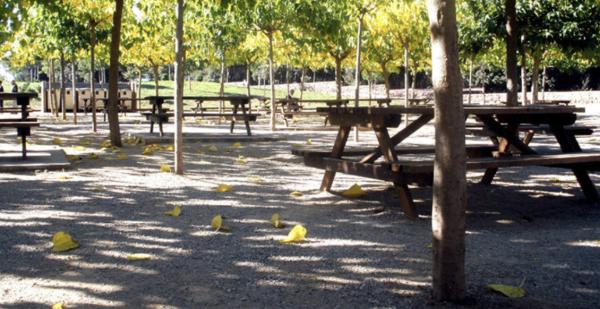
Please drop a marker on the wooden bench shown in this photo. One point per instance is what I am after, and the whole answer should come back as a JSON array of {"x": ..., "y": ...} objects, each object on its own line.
[{"x": 23, "y": 127}]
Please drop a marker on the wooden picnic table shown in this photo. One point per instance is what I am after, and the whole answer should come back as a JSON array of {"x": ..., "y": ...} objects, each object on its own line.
[
  {"x": 24, "y": 123},
  {"x": 239, "y": 103},
  {"x": 397, "y": 168},
  {"x": 121, "y": 102}
]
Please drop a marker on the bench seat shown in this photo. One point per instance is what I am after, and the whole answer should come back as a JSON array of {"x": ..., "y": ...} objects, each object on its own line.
[
  {"x": 472, "y": 151},
  {"x": 479, "y": 130}
]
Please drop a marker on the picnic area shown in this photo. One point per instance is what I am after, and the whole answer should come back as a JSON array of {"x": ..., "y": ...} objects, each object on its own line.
[{"x": 269, "y": 154}]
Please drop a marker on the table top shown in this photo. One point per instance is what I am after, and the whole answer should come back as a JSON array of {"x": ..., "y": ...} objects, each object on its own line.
[
  {"x": 15, "y": 95},
  {"x": 469, "y": 109}
]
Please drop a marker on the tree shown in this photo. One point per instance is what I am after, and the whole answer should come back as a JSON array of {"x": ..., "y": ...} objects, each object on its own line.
[
  {"x": 449, "y": 183},
  {"x": 113, "y": 79},
  {"x": 512, "y": 73},
  {"x": 179, "y": 72}
]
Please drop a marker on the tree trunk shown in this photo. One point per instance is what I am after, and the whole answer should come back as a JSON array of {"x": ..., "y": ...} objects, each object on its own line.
[
  {"x": 74, "y": 90},
  {"x": 470, "y": 80},
  {"x": 272, "y": 81},
  {"x": 92, "y": 77},
  {"x": 287, "y": 78},
  {"x": 338, "y": 77},
  {"x": 302, "y": 75},
  {"x": 524, "y": 76},
  {"x": 544, "y": 83},
  {"x": 314, "y": 76},
  {"x": 63, "y": 99},
  {"x": 179, "y": 84},
  {"x": 139, "y": 88},
  {"x": 156, "y": 73},
  {"x": 358, "y": 70},
  {"x": 386, "y": 79},
  {"x": 51, "y": 97},
  {"x": 222, "y": 81},
  {"x": 512, "y": 73},
  {"x": 248, "y": 79},
  {"x": 370, "y": 82},
  {"x": 535, "y": 76},
  {"x": 449, "y": 183},
  {"x": 113, "y": 80},
  {"x": 406, "y": 76}
]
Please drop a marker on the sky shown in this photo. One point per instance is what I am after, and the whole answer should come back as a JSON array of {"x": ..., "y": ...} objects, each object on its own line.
[{"x": 5, "y": 74}]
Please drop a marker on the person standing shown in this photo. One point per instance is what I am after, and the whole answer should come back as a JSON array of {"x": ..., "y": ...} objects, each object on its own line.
[
  {"x": 1, "y": 90},
  {"x": 15, "y": 88}
]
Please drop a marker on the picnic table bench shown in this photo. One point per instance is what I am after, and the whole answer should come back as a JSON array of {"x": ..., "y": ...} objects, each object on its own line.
[
  {"x": 159, "y": 115},
  {"x": 391, "y": 162},
  {"x": 24, "y": 123}
]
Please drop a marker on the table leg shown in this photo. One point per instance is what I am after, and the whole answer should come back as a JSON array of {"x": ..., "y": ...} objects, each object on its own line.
[
  {"x": 24, "y": 145},
  {"x": 503, "y": 147},
  {"x": 246, "y": 121},
  {"x": 338, "y": 150},
  {"x": 235, "y": 110},
  {"x": 568, "y": 144},
  {"x": 283, "y": 115},
  {"x": 407, "y": 203}
]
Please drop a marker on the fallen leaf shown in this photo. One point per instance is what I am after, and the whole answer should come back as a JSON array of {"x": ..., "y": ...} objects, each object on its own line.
[
  {"x": 276, "y": 221},
  {"x": 92, "y": 156},
  {"x": 98, "y": 189},
  {"x": 255, "y": 179},
  {"x": 222, "y": 188},
  {"x": 121, "y": 157},
  {"x": 296, "y": 194},
  {"x": 79, "y": 148},
  {"x": 175, "y": 212},
  {"x": 57, "y": 306},
  {"x": 217, "y": 224},
  {"x": 170, "y": 148},
  {"x": 355, "y": 191},
  {"x": 85, "y": 143},
  {"x": 63, "y": 242},
  {"x": 507, "y": 290},
  {"x": 236, "y": 145},
  {"x": 63, "y": 177},
  {"x": 309, "y": 141},
  {"x": 165, "y": 168},
  {"x": 241, "y": 160},
  {"x": 139, "y": 257},
  {"x": 212, "y": 149},
  {"x": 105, "y": 144},
  {"x": 597, "y": 242},
  {"x": 297, "y": 234},
  {"x": 72, "y": 158},
  {"x": 57, "y": 141}
]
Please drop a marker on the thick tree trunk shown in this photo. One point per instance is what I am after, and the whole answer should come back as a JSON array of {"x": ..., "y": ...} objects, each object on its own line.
[
  {"x": 535, "y": 76},
  {"x": 470, "y": 80},
  {"x": 302, "y": 75},
  {"x": 139, "y": 88},
  {"x": 74, "y": 90},
  {"x": 272, "y": 81},
  {"x": 113, "y": 86},
  {"x": 179, "y": 83},
  {"x": 92, "y": 77},
  {"x": 248, "y": 79},
  {"x": 63, "y": 99},
  {"x": 524, "y": 76},
  {"x": 287, "y": 78},
  {"x": 512, "y": 74},
  {"x": 338, "y": 77},
  {"x": 358, "y": 70},
  {"x": 51, "y": 96},
  {"x": 156, "y": 73},
  {"x": 370, "y": 82},
  {"x": 449, "y": 183},
  {"x": 314, "y": 76}
]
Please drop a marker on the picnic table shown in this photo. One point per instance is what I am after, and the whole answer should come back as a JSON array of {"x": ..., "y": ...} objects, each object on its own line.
[
  {"x": 406, "y": 165},
  {"x": 159, "y": 115},
  {"x": 24, "y": 123}
]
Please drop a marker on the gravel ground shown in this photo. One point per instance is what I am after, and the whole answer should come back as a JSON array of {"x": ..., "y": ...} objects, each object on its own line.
[{"x": 531, "y": 226}]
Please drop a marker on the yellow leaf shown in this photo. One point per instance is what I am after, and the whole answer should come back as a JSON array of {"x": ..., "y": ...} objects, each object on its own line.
[
  {"x": 212, "y": 149},
  {"x": 147, "y": 152},
  {"x": 241, "y": 160},
  {"x": 165, "y": 168},
  {"x": 79, "y": 148},
  {"x": 72, "y": 158},
  {"x": 105, "y": 144},
  {"x": 57, "y": 141},
  {"x": 309, "y": 141},
  {"x": 236, "y": 145},
  {"x": 92, "y": 156},
  {"x": 63, "y": 177},
  {"x": 63, "y": 242},
  {"x": 354, "y": 192},
  {"x": 85, "y": 142},
  {"x": 217, "y": 224},
  {"x": 296, "y": 194},
  {"x": 116, "y": 149},
  {"x": 121, "y": 157},
  {"x": 255, "y": 179},
  {"x": 98, "y": 189},
  {"x": 170, "y": 148},
  {"x": 507, "y": 290},
  {"x": 175, "y": 212},
  {"x": 139, "y": 257},
  {"x": 297, "y": 234},
  {"x": 222, "y": 188},
  {"x": 57, "y": 306},
  {"x": 276, "y": 221}
]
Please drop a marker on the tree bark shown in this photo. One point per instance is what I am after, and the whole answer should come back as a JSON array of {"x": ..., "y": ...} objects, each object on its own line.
[
  {"x": 92, "y": 77},
  {"x": 139, "y": 88},
  {"x": 470, "y": 80},
  {"x": 63, "y": 99},
  {"x": 156, "y": 78},
  {"x": 338, "y": 77},
  {"x": 179, "y": 84},
  {"x": 535, "y": 76},
  {"x": 449, "y": 183},
  {"x": 544, "y": 83},
  {"x": 287, "y": 78},
  {"x": 358, "y": 69},
  {"x": 302, "y": 76},
  {"x": 272, "y": 81},
  {"x": 222, "y": 81},
  {"x": 51, "y": 96},
  {"x": 74, "y": 90},
  {"x": 524, "y": 75},
  {"x": 406, "y": 72},
  {"x": 248, "y": 79},
  {"x": 386, "y": 79},
  {"x": 512, "y": 74},
  {"x": 113, "y": 80}
]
